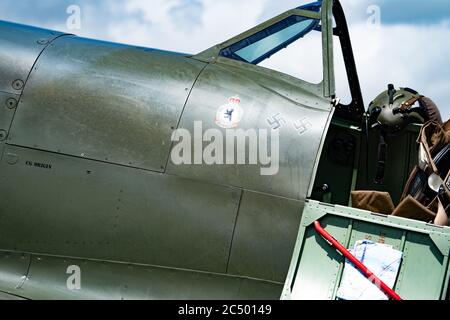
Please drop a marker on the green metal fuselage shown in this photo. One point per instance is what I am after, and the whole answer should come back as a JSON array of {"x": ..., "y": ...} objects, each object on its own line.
[{"x": 87, "y": 178}]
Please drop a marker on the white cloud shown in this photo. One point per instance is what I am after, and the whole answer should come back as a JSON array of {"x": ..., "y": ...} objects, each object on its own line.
[
  {"x": 406, "y": 55},
  {"x": 155, "y": 11},
  {"x": 302, "y": 59},
  {"x": 219, "y": 21}
]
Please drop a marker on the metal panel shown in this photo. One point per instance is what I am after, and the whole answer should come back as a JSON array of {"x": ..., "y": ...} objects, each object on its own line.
[
  {"x": 263, "y": 98},
  {"x": 59, "y": 205},
  {"x": 13, "y": 270},
  {"x": 373, "y": 232},
  {"x": 264, "y": 238},
  {"x": 20, "y": 46},
  {"x": 339, "y": 155},
  {"x": 9, "y": 297},
  {"x": 422, "y": 275},
  {"x": 316, "y": 267},
  {"x": 329, "y": 87},
  {"x": 402, "y": 157},
  {"x": 104, "y": 101},
  {"x": 8, "y": 104},
  {"x": 115, "y": 281}
]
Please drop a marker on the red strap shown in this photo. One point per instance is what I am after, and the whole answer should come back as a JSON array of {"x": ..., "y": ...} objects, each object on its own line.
[{"x": 360, "y": 266}]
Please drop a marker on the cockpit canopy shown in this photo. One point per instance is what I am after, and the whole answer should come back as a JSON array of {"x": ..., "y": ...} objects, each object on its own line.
[{"x": 263, "y": 44}]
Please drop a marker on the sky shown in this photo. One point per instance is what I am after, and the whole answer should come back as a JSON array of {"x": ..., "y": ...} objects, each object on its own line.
[{"x": 404, "y": 42}]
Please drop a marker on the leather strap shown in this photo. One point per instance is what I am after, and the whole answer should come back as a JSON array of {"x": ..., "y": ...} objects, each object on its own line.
[
  {"x": 408, "y": 104},
  {"x": 432, "y": 110},
  {"x": 382, "y": 158}
]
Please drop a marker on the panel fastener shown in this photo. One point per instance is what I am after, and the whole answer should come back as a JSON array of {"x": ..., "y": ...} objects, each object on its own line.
[
  {"x": 3, "y": 135},
  {"x": 12, "y": 158},
  {"x": 43, "y": 41},
  {"x": 11, "y": 103},
  {"x": 17, "y": 84}
]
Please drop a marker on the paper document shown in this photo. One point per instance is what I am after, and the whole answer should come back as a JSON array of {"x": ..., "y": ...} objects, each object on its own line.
[{"x": 381, "y": 259}]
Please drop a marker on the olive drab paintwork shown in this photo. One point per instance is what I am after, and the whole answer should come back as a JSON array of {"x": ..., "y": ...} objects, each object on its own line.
[
  {"x": 87, "y": 179},
  {"x": 108, "y": 102},
  {"x": 425, "y": 249},
  {"x": 262, "y": 98},
  {"x": 21, "y": 46}
]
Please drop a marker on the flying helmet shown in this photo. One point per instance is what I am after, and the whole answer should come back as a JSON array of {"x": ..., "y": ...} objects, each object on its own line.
[
  {"x": 391, "y": 112},
  {"x": 394, "y": 109}
]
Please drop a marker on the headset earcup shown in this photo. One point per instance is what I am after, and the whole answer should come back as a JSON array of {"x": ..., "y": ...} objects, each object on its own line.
[{"x": 431, "y": 109}]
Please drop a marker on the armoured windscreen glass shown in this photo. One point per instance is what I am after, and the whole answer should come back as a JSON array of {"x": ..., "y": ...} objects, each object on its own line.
[
  {"x": 258, "y": 49},
  {"x": 269, "y": 41}
]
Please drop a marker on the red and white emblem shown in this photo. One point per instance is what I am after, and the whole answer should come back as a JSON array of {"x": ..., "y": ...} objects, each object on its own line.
[{"x": 229, "y": 115}]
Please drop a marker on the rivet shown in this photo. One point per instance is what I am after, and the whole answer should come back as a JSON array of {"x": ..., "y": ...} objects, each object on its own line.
[
  {"x": 43, "y": 41},
  {"x": 3, "y": 135},
  {"x": 17, "y": 84},
  {"x": 11, "y": 103},
  {"x": 12, "y": 158}
]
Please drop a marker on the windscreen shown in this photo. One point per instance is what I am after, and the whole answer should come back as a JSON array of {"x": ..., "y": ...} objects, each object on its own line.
[
  {"x": 258, "y": 50},
  {"x": 262, "y": 45}
]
